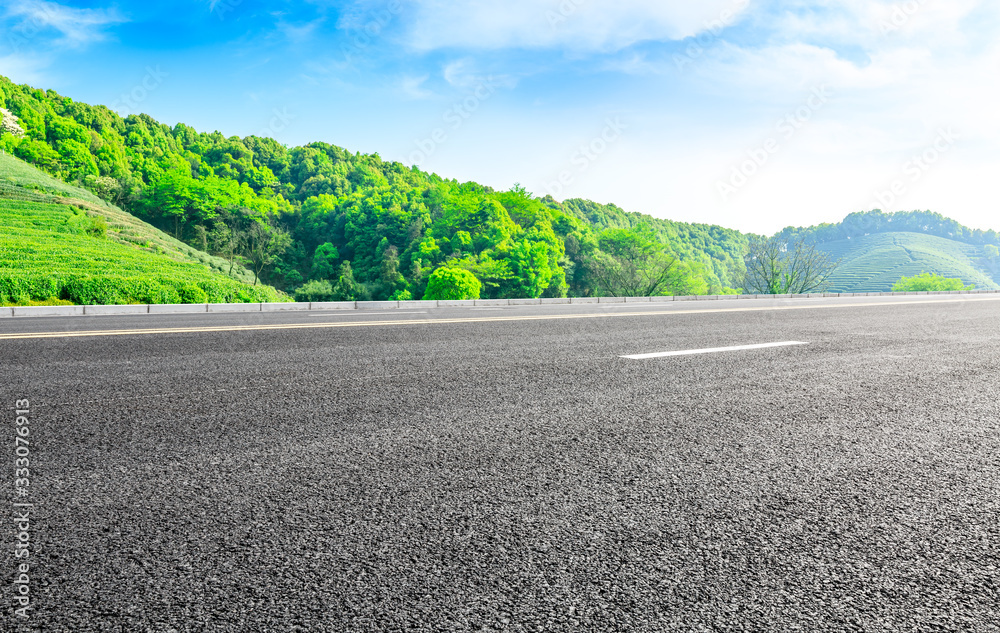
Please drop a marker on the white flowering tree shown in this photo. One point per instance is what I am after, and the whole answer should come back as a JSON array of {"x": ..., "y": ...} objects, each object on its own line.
[{"x": 8, "y": 123}]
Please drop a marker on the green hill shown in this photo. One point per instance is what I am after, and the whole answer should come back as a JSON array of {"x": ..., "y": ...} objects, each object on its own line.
[
  {"x": 62, "y": 243},
  {"x": 364, "y": 227},
  {"x": 873, "y": 263},
  {"x": 718, "y": 251}
]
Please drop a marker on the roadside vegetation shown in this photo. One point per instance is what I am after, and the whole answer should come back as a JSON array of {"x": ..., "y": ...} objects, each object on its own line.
[
  {"x": 929, "y": 282},
  {"x": 780, "y": 266}
]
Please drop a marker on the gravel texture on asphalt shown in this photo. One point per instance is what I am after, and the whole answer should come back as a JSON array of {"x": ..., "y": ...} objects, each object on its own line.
[{"x": 515, "y": 476}]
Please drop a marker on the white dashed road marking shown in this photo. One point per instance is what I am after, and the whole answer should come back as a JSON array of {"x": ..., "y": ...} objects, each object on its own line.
[{"x": 712, "y": 350}]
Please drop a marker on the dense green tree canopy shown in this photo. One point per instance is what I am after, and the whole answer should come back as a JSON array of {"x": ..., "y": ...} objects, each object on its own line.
[
  {"x": 371, "y": 228},
  {"x": 866, "y": 223}
]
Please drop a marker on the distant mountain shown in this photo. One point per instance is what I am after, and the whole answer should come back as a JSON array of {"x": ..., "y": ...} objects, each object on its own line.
[{"x": 877, "y": 248}]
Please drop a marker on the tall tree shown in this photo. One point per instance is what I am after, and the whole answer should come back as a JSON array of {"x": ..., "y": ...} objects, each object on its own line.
[
  {"x": 325, "y": 261},
  {"x": 390, "y": 279},
  {"x": 226, "y": 239},
  {"x": 346, "y": 288},
  {"x": 778, "y": 266},
  {"x": 633, "y": 263},
  {"x": 263, "y": 244}
]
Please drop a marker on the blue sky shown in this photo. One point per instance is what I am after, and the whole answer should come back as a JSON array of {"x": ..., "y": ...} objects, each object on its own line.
[{"x": 753, "y": 115}]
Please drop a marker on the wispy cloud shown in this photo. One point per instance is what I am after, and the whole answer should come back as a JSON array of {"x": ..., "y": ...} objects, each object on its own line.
[
  {"x": 299, "y": 33},
  {"x": 598, "y": 25},
  {"x": 77, "y": 27},
  {"x": 465, "y": 73},
  {"x": 413, "y": 87}
]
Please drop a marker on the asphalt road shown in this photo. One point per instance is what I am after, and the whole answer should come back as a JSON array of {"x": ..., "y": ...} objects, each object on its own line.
[{"x": 470, "y": 470}]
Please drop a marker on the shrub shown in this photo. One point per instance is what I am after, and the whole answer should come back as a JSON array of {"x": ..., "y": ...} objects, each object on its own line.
[
  {"x": 928, "y": 282},
  {"x": 165, "y": 294},
  {"x": 452, "y": 284},
  {"x": 87, "y": 290},
  {"x": 192, "y": 293},
  {"x": 97, "y": 227},
  {"x": 315, "y": 290},
  {"x": 19, "y": 288}
]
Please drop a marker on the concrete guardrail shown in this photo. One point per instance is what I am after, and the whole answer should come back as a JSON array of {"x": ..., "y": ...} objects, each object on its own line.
[{"x": 95, "y": 310}]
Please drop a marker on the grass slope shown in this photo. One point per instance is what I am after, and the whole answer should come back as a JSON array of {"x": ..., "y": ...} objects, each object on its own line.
[
  {"x": 50, "y": 251},
  {"x": 873, "y": 263}
]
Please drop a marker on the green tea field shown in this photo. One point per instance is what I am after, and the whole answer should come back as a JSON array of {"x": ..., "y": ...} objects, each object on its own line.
[
  {"x": 59, "y": 243},
  {"x": 873, "y": 263}
]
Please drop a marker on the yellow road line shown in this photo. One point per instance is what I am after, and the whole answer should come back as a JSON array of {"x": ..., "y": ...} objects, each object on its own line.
[{"x": 497, "y": 319}]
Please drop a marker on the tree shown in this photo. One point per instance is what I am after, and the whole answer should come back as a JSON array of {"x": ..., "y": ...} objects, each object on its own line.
[
  {"x": 346, "y": 288},
  {"x": 452, "y": 284},
  {"x": 9, "y": 124},
  {"x": 226, "y": 240},
  {"x": 325, "y": 261},
  {"x": 176, "y": 197},
  {"x": 927, "y": 282},
  {"x": 262, "y": 245},
  {"x": 633, "y": 263},
  {"x": 390, "y": 280},
  {"x": 777, "y": 266},
  {"x": 529, "y": 261}
]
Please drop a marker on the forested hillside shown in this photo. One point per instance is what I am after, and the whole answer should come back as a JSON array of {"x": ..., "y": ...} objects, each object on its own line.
[
  {"x": 353, "y": 225},
  {"x": 331, "y": 224},
  {"x": 871, "y": 222},
  {"x": 715, "y": 251}
]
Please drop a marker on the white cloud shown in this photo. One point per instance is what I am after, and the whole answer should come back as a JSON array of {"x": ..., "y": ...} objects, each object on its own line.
[
  {"x": 874, "y": 22},
  {"x": 25, "y": 69},
  {"x": 905, "y": 81},
  {"x": 603, "y": 25},
  {"x": 77, "y": 26}
]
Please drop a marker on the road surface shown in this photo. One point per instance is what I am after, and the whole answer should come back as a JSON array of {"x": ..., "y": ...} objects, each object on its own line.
[{"x": 510, "y": 470}]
